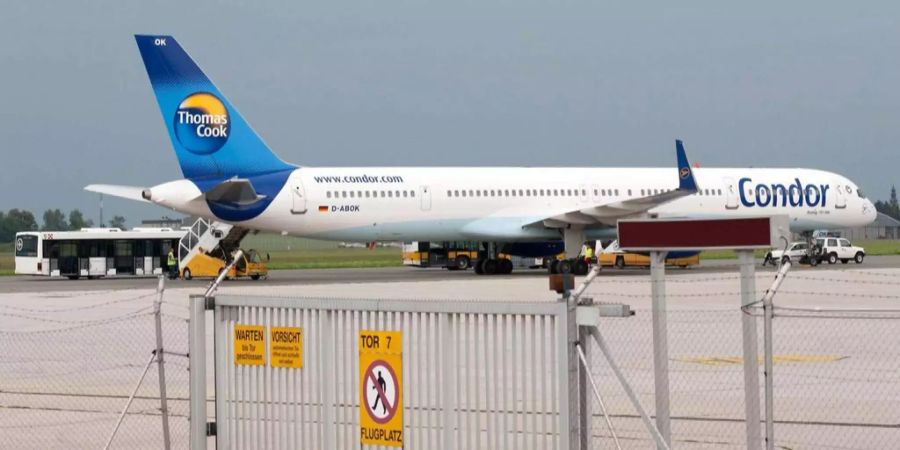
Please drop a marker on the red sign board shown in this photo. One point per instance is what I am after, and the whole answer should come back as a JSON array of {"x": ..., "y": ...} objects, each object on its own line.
[{"x": 691, "y": 234}]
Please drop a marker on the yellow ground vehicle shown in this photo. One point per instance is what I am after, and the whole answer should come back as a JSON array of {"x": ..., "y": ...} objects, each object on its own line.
[
  {"x": 612, "y": 255},
  {"x": 206, "y": 265},
  {"x": 455, "y": 255}
]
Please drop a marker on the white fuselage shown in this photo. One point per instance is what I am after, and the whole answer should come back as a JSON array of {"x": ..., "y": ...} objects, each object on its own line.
[{"x": 503, "y": 204}]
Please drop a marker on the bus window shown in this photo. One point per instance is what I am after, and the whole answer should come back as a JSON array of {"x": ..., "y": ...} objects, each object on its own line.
[{"x": 27, "y": 246}]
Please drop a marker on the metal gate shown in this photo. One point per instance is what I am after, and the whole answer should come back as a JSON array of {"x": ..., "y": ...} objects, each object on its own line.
[{"x": 476, "y": 374}]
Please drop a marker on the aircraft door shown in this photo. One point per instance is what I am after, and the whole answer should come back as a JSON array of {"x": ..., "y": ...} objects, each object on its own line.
[
  {"x": 731, "y": 193},
  {"x": 298, "y": 196},
  {"x": 425, "y": 198},
  {"x": 840, "y": 199},
  {"x": 595, "y": 194}
]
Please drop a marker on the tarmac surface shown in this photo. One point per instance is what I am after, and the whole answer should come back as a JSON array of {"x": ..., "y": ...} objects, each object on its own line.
[
  {"x": 387, "y": 274},
  {"x": 72, "y": 351}
]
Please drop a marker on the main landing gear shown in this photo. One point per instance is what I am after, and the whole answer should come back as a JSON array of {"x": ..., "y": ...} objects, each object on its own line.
[
  {"x": 575, "y": 266},
  {"x": 490, "y": 263},
  {"x": 492, "y": 266}
]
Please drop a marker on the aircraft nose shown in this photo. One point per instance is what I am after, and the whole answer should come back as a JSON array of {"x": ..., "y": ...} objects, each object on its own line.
[{"x": 870, "y": 212}]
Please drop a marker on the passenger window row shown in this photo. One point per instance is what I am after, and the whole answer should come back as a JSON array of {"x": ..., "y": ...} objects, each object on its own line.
[
  {"x": 516, "y": 192},
  {"x": 371, "y": 194}
]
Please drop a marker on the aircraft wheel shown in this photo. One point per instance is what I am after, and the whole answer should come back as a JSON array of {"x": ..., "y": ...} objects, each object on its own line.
[
  {"x": 491, "y": 266},
  {"x": 580, "y": 268},
  {"x": 565, "y": 266},
  {"x": 186, "y": 274},
  {"x": 554, "y": 266},
  {"x": 506, "y": 266}
]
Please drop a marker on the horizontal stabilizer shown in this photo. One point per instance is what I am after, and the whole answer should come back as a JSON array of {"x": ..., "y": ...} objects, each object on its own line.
[
  {"x": 128, "y": 192},
  {"x": 235, "y": 191}
]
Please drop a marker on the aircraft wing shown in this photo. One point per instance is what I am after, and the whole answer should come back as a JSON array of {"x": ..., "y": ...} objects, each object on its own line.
[{"x": 609, "y": 213}]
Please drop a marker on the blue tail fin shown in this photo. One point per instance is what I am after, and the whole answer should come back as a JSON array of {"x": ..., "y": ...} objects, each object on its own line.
[{"x": 210, "y": 137}]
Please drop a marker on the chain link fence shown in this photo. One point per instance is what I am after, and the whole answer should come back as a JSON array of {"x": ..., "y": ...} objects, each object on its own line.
[
  {"x": 836, "y": 361},
  {"x": 69, "y": 364}
]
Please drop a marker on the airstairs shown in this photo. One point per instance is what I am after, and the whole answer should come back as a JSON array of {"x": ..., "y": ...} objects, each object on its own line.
[{"x": 205, "y": 236}]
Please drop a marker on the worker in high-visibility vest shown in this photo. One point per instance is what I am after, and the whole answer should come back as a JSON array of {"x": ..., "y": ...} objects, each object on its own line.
[
  {"x": 172, "y": 264},
  {"x": 588, "y": 254}
]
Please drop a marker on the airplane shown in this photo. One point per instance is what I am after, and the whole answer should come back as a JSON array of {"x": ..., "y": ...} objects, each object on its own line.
[{"x": 230, "y": 175}]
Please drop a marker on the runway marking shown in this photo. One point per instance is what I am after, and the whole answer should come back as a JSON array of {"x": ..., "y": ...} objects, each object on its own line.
[{"x": 778, "y": 359}]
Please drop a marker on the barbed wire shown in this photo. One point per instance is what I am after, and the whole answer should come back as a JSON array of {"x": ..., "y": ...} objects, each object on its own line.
[
  {"x": 78, "y": 308},
  {"x": 838, "y": 280},
  {"x": 80, "y": 324}
]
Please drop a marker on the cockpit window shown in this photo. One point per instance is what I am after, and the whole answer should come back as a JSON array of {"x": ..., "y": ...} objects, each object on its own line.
[{"x": 859, "y": 192}]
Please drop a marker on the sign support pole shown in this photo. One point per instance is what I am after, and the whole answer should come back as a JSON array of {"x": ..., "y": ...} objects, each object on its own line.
[
  {"x": 751, "y": 352},
  {"x": 660, "y": 344}
]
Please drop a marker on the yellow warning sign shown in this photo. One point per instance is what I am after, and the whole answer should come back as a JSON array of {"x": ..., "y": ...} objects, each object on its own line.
[
  {"x": 381, "y": 387},
  {"x": 286, "y": 347},
  {"x": 249, "y": 345}
]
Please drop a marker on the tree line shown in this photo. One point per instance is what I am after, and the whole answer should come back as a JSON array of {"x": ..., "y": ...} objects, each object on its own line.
[
  {"x": 16, "y": 220},
  {"x": 890, "y": 207}
]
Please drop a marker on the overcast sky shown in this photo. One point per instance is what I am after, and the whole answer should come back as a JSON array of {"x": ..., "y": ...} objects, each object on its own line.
[{"x": 805, "y": 84}]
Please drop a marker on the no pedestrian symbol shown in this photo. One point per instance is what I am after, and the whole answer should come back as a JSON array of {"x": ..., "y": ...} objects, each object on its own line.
[{"x": 381, "y": 388}]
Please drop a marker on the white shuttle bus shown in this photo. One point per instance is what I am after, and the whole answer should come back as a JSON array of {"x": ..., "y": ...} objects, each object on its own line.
[{"x": 95, "y": 252}]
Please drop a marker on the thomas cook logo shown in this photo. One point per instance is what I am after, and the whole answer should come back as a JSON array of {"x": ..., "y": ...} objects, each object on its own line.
[
  {"x": 202, "y": 124},
  {"x": 685, "y": 172}
]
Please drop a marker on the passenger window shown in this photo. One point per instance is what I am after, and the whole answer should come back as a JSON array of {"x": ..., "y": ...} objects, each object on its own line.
[
  {"x": 629, "y": 192},
  {"x": 328, "y": 194},
  {"x": 456, "y": 193},
  {"x": 449, "y": 194},
  {"x": 720, "y": 192},
  {"x": 845, "y": 243},
  {"x": 390, "y": 194},
  {"x": 412, "y": 193},
  {"x": 595, "y": 192},
  {"x": 404, "y": 193},
  {"x": 832, "y": 242},
  {"x": 617, "y": 192}
]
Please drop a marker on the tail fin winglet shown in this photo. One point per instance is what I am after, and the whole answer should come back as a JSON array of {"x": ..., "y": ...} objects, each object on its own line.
[{"x": 686, "y": 181}]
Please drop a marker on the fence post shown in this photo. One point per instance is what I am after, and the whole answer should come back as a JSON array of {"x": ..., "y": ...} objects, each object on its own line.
[
  {"x": 660, "y": 344},
  {"x": 328, "y": 385},
  {"x": 448, "y": 385},
  {"x": 751, "y": 352},
  {"x": 566, "y": 338},
  {"x": 160, "y": 361},
  {"x": 584, "y": 412},
  {"x": 769, "y": 311},
  {"x": 197, "y": 363}
]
